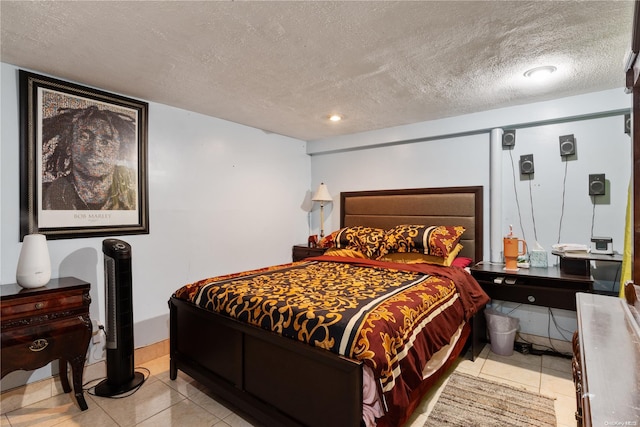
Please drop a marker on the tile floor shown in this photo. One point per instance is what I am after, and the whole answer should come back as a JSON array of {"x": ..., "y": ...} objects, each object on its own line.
[{"x": 183, "y": 402}]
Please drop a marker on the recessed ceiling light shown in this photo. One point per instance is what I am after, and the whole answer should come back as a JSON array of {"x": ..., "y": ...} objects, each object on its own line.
[
  {"x": 335, "y": 117},
  {"x": 540, "y": 72}
]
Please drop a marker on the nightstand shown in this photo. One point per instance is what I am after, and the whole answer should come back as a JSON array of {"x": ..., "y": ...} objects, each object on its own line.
[
  {"x": 301, "y": 252},
  {"x": 44, "y": 324},
  {"x": 547, "y": 287}
]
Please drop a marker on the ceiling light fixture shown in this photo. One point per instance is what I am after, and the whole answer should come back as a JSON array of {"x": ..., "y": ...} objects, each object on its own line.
[
  {"x": 540, "y": 72},
  {"x": 335, "y": 117}
]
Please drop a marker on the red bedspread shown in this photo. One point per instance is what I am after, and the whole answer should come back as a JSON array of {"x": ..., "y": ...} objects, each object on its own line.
[{"x": 393, "y": 317}]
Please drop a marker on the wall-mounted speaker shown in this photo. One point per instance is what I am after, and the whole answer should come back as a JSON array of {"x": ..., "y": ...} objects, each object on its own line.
[
  {"x": 526, "y": 164},
  {"x": 627, "y": 124},
  {"x": 567, "y": 145},
  {"x": 597, "y": 185},
  {"x": 509, "y": 138}
]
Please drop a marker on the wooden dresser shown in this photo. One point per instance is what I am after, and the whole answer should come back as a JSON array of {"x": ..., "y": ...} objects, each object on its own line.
[
  {"x": 45, "y": 324},
  {"x": 606, "y": 362}
]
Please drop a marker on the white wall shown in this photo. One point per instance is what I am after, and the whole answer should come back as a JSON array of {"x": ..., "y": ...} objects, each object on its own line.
[
  {"x": 455, "y": 151},
  {"x": 222, "y": 198}
]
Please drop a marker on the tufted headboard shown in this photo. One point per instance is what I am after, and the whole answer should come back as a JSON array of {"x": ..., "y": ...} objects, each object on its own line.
[{"x": 424, "y": 206}]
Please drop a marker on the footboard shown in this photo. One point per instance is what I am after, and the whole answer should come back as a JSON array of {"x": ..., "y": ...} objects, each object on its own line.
[{"x": 275, "y": 379}]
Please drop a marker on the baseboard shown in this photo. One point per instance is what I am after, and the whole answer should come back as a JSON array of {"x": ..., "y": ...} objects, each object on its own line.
[{"x": 36, "y": 391}]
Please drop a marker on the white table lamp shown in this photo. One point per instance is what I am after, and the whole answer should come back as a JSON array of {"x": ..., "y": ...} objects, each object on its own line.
[{"x": 322, "y": 195}]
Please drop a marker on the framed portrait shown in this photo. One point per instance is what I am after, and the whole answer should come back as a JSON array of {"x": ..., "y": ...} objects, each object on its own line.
[{"x": 83, "y": 161}]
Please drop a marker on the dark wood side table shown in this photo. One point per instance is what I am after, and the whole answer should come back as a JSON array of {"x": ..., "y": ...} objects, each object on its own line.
[
  {"x": 44, "y": 324},
  {"x": 301, "y": 252},
  {"x": 547, "y": 287}
]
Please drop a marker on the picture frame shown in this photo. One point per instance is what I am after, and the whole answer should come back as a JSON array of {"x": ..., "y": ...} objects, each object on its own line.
[{"x": 83, "y": 160}]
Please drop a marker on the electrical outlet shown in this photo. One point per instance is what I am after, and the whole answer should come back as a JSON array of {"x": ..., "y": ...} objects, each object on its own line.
[{"x": 97, "y": 327}]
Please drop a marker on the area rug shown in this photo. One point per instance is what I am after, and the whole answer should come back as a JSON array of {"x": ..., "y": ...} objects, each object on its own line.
[{"x": 471, "y": 401}]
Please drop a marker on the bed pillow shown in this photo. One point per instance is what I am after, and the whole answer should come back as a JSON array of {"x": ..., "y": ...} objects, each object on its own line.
[
  {"x": 417, "y": 257},
  {"x": 439, "y": 241},
  {"x": 367, "y": 240},
  {"x": 349, "y": 253},
  {"x": 462, "y": 262},
  {"x": 329, "y": 241}
]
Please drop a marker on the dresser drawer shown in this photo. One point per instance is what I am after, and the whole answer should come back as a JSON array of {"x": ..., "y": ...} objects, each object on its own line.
[
  {"x": 36, "y": 306},
  {"x": 36, "y": 346},
  {"x": 536, "y": 295}
]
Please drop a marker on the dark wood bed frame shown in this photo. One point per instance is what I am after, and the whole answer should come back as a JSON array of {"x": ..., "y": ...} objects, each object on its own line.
[{"x": 282, "y": 382}]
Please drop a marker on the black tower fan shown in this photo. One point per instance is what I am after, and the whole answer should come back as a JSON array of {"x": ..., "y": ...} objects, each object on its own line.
[{"x": 119, "y": 325}]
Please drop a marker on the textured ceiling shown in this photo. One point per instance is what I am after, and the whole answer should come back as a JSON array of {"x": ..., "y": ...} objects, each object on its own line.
[{"x": 285, "y": 66}]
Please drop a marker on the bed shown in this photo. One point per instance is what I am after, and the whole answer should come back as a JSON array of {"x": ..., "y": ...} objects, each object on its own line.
[{"x": 283, "y": 381}]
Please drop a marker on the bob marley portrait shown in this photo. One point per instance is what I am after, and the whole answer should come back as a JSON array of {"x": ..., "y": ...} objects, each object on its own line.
[{"x": 87, "y": 160}]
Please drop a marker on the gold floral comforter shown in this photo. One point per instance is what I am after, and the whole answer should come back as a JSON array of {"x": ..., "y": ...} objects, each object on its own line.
[{"x": 391, "y": 316}]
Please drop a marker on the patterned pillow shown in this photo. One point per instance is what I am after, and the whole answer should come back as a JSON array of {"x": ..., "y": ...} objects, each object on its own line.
[
  {"x": 417, "y": 257},
  {"x": 433, "y": 240},
  {"x": 329, "y": 241},
  {"x": 367, "y": 240}
]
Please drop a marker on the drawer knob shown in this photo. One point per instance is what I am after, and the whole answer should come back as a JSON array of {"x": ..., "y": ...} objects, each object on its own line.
[
  {"x": 38, "y": 345},
  {"x": 39, "y": 305}
]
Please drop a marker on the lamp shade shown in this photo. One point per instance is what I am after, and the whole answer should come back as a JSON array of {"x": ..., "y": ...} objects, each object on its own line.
[
  {"x": 34, "y": 264},
  {"x": 322, "y": 194}
]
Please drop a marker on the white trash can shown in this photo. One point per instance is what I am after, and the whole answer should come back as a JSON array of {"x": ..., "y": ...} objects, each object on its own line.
[{"x": 502, "y": 331}]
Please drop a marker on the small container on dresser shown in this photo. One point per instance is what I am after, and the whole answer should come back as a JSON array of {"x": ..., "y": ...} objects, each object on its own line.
[
  {"x": 301, "y": 252},
  {"x": 44, "y": 324}
]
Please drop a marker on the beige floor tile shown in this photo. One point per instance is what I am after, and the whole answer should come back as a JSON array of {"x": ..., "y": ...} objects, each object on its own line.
[
  {"x": 95, "y": 371},
  {"x": 515, "y": 371},
  {"x": 211, "y": 403},
  {"x": 183, "y": 413},
  {"x": 235, "y": 420},
  {"x": 25, "y": 396},
  {"x": 94, "y": 417},
  {"x": 45, "y": 413},
  {"x": 4, "y": 421},
  {"x": 180, "y": 383},
  {"x": 565, "y": 411},
  {"x": 470, "y": 367},
  {"x": 556, "y": 363},
  {"x": 518, "y": 359},
  {"x": 556, "y": 383},
  {"x": 152, "y": 398},
  {"x": 158, "y": 367}
]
